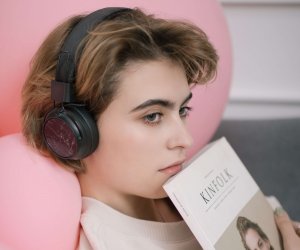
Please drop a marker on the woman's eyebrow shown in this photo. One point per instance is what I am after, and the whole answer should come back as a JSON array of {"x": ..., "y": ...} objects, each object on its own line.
[
  {"x": 161, "y": 102},
  {"x": 187, "y": 99}
]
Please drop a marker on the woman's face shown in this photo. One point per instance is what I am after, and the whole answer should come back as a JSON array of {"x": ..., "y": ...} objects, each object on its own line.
[
  {"x": 143, "y": 135},
  {"x": 255, "y": 242}
]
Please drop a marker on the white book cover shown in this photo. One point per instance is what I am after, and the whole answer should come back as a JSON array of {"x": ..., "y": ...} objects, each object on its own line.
[{"x": 221, "y": 203}]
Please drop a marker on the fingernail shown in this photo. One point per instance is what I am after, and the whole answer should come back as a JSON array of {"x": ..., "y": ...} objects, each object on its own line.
[
  {"x": 297, "y": 227},
  {"x": 279, "y": 211}
]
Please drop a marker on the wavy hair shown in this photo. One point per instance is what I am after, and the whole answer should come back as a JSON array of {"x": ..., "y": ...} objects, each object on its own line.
[{"x": 106, "y": 51}]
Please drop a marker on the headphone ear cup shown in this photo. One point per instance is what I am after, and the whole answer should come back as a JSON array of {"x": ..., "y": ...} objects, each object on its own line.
[{"x": 70, "y": 132}]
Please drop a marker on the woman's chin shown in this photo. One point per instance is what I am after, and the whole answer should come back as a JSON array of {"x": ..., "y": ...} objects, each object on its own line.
[{"x": 160, "y": 195}]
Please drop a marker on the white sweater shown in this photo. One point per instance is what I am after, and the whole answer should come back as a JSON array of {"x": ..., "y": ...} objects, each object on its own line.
[{"x": 104, "y": 228}]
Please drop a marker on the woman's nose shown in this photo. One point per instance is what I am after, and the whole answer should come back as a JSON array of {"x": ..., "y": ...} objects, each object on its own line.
[{"x": 179, "y": 136}]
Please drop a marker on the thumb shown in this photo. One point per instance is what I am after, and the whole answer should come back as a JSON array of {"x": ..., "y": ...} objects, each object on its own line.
[{"x": 290, "y": 239}]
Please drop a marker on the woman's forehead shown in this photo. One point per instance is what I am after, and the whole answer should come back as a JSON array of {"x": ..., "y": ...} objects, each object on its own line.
[
  {"x": 152, "y": 77},
  {"x": 151, "y": 81}
]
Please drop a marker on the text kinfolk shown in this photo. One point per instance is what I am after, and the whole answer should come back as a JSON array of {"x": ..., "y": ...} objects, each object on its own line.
[{"x": 217, "y": 184}]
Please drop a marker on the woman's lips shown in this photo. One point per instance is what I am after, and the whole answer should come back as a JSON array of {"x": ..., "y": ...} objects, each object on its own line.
[{"x": 171, "y": 170}]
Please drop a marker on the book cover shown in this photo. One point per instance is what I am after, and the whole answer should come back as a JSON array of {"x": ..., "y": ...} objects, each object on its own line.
[{"x": 221, "y": 203}]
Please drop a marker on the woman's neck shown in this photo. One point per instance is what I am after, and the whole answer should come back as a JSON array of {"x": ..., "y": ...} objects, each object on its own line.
[{"x": 161, "y": 210}]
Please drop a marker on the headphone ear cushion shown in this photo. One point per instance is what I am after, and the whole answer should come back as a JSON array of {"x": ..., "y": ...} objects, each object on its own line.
[{"x": 70, "y": 132}]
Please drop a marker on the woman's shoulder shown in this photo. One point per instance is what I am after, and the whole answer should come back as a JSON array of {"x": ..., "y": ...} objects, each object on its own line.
[
  {"x": 102, "y": 227},
  {"x": 83, "y": 243}
]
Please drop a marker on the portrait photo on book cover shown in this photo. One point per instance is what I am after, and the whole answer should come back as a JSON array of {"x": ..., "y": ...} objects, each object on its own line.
[
  {"x": 252, "y": 235},
  {"x": 252, "y": 228}
]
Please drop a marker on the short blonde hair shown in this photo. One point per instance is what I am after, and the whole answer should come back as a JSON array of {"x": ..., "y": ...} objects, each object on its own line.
[{"x": 106, "y": 51}]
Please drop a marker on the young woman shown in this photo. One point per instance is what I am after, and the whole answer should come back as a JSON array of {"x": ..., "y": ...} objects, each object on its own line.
[
  {"x": 253, "y": 237},
  {"x": 116, "y": 114}
]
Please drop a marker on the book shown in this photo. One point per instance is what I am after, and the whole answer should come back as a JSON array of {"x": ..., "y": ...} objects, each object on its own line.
[{"x": 218, "y": 199}]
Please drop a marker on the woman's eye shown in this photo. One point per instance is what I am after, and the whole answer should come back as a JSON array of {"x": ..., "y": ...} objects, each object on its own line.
[
  {"x": 153, "y": 118},
  {"x": 184, "y": 111}
]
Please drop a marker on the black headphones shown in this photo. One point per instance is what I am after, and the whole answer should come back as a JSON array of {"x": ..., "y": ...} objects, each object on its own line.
[{"x": 69, "y": 130}]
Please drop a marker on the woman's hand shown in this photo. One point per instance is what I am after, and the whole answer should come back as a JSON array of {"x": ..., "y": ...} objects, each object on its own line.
[{"x": 289, "y": 230}]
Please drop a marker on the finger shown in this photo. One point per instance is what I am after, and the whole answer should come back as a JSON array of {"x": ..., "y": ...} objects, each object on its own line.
[
  {"x": 287, "y": 230},
  {"x": 283, "y": 222},
  {"x": 296, "y": 225}
]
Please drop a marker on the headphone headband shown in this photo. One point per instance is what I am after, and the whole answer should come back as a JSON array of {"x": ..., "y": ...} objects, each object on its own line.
[{"x": 62, "y": 87}]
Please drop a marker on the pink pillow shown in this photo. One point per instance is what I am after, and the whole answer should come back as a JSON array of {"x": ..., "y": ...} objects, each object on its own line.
[{"x": 40, "y": 201}]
